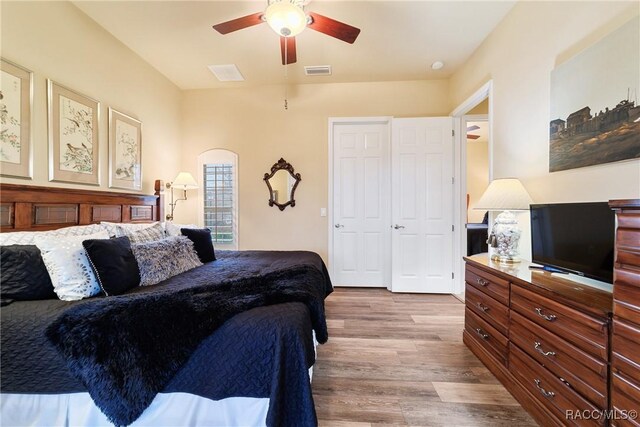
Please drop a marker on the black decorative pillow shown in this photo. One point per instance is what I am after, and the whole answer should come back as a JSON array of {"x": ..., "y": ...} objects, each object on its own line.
[
  {"x": 114, "y": 264},
  {"x": 202, "y": 243},
  {"x": 23, "y": 275}
]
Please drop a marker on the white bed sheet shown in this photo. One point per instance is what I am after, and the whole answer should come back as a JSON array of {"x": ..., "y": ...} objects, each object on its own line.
[{"x": 167, "y": 409}]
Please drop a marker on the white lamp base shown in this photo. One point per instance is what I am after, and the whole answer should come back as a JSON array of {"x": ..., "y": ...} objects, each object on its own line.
[{"x": 507, "y": 234}]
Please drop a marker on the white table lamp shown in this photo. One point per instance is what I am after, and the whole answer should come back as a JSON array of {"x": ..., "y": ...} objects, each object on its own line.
[{"x": 506, "y": 194}]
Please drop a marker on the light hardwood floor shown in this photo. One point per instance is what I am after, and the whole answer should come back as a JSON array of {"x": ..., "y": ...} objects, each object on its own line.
[{"x": 398, "y": 359}]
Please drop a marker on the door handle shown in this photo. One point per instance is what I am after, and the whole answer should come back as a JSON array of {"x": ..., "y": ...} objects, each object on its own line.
[
  {"x": 398, "y": 227},
  {"x": 339, "y": 226}
]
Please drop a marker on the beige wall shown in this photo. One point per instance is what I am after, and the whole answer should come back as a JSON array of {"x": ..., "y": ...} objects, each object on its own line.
[
  {"x": 519, "y": 56},
  {"x": 482, "y": 108},
  {"x": 57, "y": 41},
  {"x": 253, "y": 123},
  {"x": 477, "y": 176}
]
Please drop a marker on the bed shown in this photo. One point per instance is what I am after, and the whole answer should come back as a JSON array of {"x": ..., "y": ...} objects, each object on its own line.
[{"x": 249, "y": 364}]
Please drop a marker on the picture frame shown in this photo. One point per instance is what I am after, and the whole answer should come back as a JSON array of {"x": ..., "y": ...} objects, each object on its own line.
[
  {"x": 595, "y": 116},
  {"x": 125, "y": 151},
  {"x": 16, "y": 110},
  {"x": 74, "y": 146}
]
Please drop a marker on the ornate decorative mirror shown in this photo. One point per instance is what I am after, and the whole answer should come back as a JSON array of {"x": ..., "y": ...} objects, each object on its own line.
[{"x": 282, "y": 183}]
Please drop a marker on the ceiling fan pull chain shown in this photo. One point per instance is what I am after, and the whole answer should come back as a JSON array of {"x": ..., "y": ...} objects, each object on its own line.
[{"x": 286, "y": 60}]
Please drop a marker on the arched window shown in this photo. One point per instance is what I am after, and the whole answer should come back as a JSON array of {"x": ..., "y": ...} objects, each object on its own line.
[{"x": 219, "y": 202}]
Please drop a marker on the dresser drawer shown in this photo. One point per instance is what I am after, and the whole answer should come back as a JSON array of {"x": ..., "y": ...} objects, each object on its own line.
[
  {"x": 548, "y": 389},
  {"x": 584, "y": 331},
  {"x": 625, "y": 342},
  {"x": 489, "y": 309},
  {"x": 491, "y": 285},
  {"x": 581, "y": 371},
  {"x": 486, "y": 335},
  {"x": 626, "y": 294},
  {"x": 625, "y": 397},
  {"x": 628, "y": 239}
]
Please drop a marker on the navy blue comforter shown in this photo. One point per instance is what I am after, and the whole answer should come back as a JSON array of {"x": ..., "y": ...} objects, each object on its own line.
[{"x": 262, "y": 352}]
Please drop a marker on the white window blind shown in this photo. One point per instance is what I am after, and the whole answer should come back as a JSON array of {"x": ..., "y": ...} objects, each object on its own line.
[{"x": 218, "y": 201}]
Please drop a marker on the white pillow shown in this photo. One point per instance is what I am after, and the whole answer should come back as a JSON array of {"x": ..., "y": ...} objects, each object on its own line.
[
  {"x": 68, "y": 265},
  {"x": 28, "y": 237},
  {"x": 174, "y": 229},
  {"x": 112, "y": 227}
]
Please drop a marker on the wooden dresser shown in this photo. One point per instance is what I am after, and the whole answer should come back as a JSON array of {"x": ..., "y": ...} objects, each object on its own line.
[
  {"x": 553, "y": 342},
  {"x": 546, "y": 338},
  {"x": 625, "y": 341}
]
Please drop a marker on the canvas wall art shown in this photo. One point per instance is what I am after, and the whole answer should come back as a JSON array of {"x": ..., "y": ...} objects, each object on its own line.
[
  {"x": 73, "y": 136},
  {"x": 125, "y": 151},
  {"x": 16, "y": 99},
  {"x": 595, "y": 117}
]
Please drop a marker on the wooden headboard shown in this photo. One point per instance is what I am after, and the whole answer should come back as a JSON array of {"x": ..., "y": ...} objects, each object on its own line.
[{"x": 32, "y": 208}]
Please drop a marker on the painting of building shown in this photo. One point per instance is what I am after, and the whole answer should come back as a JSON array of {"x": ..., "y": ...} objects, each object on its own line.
[{"x": 595, "y": 116}]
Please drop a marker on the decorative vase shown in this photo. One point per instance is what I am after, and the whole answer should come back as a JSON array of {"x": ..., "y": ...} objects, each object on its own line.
[{"x": 507, "y": 234}]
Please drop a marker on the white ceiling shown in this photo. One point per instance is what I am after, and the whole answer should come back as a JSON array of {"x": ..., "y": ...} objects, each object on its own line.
[{"x": 399, "y": 39}]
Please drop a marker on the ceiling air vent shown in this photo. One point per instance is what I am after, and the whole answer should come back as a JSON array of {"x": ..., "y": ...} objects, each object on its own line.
[
  {"x": 226, "y": 73},
  {"x": 317, "y": 70}
]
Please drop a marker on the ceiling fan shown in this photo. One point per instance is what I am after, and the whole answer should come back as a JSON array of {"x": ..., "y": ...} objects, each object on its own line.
[
  {"x": 288, "y": 19},
  {"x": 471, "y": 129}
]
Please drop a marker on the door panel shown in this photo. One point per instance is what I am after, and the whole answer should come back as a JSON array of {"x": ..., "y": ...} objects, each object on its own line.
[
  {"x": 422, "y": 205},
  {"x": 361, "y": 211}
]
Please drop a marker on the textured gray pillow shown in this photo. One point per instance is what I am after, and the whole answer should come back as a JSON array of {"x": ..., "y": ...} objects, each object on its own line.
[
  {"x": 148, "y": 234},
  {"x": 164, "y": 258}
]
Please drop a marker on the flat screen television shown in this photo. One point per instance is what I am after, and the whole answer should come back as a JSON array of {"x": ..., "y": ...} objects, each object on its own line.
[{"x": 574, "y": 237}]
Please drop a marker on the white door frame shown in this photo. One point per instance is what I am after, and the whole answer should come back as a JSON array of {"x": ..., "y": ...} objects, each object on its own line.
[
  {"x": 333, "y": 121},
  {"x": 460, "y": 173}
]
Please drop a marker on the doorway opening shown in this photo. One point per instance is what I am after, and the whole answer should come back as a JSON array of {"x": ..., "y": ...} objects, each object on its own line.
[
  {"x": 473, "y": 171},
  {"x": 477, "y": 177}
]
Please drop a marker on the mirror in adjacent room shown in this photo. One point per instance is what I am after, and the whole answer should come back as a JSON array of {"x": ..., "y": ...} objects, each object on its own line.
[{"x": 282, "y": 183}]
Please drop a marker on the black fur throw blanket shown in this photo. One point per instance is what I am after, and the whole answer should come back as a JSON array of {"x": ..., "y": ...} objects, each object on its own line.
[{"x": 126, "y": 349}]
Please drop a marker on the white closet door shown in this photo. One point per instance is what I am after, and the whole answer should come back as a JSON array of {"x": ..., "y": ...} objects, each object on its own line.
[
  {"x": 361, "y": 209},
  {"x": 422, "y": 205}
]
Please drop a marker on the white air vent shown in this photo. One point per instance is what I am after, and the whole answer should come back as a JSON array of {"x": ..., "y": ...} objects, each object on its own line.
[
  {"x": 317, "y": 70},
  {"x": 226, "y": 73}
]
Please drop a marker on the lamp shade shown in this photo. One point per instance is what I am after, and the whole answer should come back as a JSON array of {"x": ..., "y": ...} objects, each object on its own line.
[
  {"x": 184, "y": 181},
  {"x": 505, "y": 194},
  {"x": 286, "y": 18}
]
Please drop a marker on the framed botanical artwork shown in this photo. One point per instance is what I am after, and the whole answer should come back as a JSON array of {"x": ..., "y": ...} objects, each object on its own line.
[
  {"x": 73, "y": 136},
  {"x": 125, "y": 151},
  {"x": 16, "y": 101}
]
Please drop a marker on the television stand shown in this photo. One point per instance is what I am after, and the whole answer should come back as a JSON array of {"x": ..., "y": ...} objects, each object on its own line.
[{"x": 547, "y": 268}]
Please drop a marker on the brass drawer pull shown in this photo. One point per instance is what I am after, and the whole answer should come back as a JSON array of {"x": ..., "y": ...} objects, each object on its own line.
[
  {"x": 482, "y": 282},
  {"x": 550, "y": 317},
  {"x": 538, "y": 347},
  {"x": 483, "y": 307},
  {"x": 482, "y": 334},
  {"x": 544, "y": 392}
]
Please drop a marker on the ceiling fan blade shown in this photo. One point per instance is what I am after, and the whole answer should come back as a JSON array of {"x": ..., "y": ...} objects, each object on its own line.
[
  {"x": 473, "y": 136},
  {"x": 239, "y": 23},
  {"x": 333, "y": 28},
  {"x": 472, "y": 128},
  {"x": 290, "y": 56}
]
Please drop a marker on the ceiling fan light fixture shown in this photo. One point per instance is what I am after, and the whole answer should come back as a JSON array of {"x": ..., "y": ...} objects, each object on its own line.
[{"x": 286, "y": 19}]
